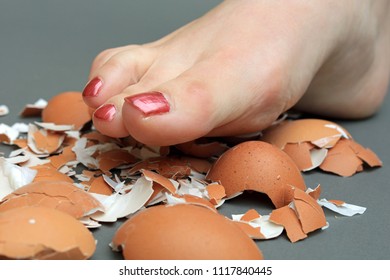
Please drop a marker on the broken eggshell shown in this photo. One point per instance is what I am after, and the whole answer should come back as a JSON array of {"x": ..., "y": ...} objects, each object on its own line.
[
  {"x": 183, "y": 231},
  {"x": 60, "y": 195},
  {"x": 43, "y": 233},
  {"x": 67, "y": 108},
  {"x": 313, "y": 143},
  {"x": 257, "y": 166}
]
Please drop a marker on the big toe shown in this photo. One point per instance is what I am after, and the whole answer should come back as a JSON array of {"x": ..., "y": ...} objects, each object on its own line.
[{"x": 199, "y": 102}]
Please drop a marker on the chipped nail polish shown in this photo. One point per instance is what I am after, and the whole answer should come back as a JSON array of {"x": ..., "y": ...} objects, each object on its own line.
[{"x": 150, "y": 103}]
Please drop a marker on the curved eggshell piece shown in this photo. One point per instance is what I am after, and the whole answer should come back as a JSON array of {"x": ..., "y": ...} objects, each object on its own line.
[
  {"x": 43, "y": 233},
  {"x": 258, "y": 166},
  {"x": 320, "y": 132},
  {"x": 60, "y": 195},
  {"x": 183, "y": 231},
  {"x": 67, "y": 108}
]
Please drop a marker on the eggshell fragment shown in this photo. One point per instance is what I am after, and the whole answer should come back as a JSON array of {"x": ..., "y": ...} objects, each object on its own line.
[
  {"x": 257, "y": 226},
  {"x": 121, "y": 205},
  {"x": 8, "y": 134},
  {"x": 33, "y": 110},
  {"x": 309, "y": 212},
  {"x": 322, "y": 133},
  {"x": 183, "y": 231},
  {"x": 319, "y": 143},
  {"x": 13, "y": 177},
  {"x": 204, "y": 150},
  {"x": 59, "y": 195},
  {"x": 342, "y": 207},
  {"x": 67, "y": 108},
  {"x": 215, "y": 192},
  {"x": 286, "y": 217},
  {"x": 4, "y": 110},
  {"x": 258, "y": 166},
  {"x": 169, "y": 167},
  {"x": 346, "y": 158},
  {"x": 48, "y": 173},
  {"x": 43, "y": 233}
]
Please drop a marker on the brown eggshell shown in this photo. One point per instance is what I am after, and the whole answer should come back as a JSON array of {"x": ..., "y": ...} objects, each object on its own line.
[
  {"x": 67, "y": 108},
  {"x": 287, "y": 217},
  {"x": 257, "y": 166},
  {"x": 43, "y": 233},
  {"x": 300, "y": 153},
  {"x": 322, "y": 133},
  {"x": 342, "y": 160},
  {"x": 309, "y": 212},
  {"x": 183, "y": 231},
  {"x": 48, "y": 173},
  {"x": 203, "y": 150},
  {"x": 59, "y": 195}
]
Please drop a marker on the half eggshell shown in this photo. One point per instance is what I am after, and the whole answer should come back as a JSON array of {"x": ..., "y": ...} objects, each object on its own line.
[
  {"x": 183, "y": 231},
  {"x": 258, "y": 166},
  {"x": 43, "y": 233}
]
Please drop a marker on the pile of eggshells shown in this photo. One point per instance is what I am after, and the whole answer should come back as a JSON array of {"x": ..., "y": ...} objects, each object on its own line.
[{"x": 63, "y": 179}]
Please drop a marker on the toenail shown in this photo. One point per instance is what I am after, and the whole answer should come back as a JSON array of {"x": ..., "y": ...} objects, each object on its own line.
[
  {"x": 150, "y": 103},
  {"x": 105, "y": 112},
  {"x": 93, "y": 87}
]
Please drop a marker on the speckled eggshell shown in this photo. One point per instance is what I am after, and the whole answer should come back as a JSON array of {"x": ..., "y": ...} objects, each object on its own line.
[
  {"x": 257, "y": 166},
  {"x": 43, "y": 233},
  {"x": 183, "y": 231}
]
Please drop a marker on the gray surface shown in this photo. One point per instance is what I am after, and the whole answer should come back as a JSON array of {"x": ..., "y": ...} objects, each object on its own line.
[{"x": 47, "y": 47}]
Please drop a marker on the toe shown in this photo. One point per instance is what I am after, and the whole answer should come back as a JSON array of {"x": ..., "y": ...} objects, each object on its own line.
[
  {"x": 108, "y": 119},
  {"x": 113, "y": 71},
  {"x": 204, "y": 100}
]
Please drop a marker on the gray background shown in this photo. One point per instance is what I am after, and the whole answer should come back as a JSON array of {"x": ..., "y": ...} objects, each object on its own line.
[{"x": 47, "y": 47}]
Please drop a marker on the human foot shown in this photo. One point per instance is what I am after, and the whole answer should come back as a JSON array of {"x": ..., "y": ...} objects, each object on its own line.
[{"x": 237, "y": 68}]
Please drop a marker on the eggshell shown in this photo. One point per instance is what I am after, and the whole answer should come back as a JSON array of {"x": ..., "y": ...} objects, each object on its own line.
[
  {"x": 183, "y": 231},
  {"x": 67, "y": 108},
  {"x": 287, "y": 217},
  {"x": 43, "y": 233},
  {"x": 257, "y": 166},
  {"x": 60, "y": 195},
  {"x": 204, "y": 150},
  {"x": 321, "y": 133},
  {"x": 48, "y": 173}
]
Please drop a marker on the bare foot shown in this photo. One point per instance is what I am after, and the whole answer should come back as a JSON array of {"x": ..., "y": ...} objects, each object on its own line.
[{"x": 237, "y": 68}]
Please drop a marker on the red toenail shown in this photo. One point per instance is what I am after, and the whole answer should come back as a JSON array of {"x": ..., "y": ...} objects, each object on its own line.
[
  {"x": 105, "y": 112},
  {"x": 93, "y": 87},
  {"x": 150, "y": 103}
]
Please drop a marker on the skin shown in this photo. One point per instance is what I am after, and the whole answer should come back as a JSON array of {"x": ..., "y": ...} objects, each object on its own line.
[{"x": 238, "y": 67}]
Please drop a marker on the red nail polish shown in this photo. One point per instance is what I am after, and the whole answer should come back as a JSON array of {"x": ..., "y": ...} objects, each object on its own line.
[
  {"x": 93, "y": 87},
  {"x": 105, "y": 112},
  {"x": 150, "y": 103}
]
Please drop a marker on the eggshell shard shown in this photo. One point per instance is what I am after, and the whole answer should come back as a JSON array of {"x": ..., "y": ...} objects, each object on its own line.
[
  {"x": 302, "y": 216},
  {"x": 58, "y": 195},
  {"x": 48, "y": 173},
  {"x": 43, "y": 233},
  {"x": 287, "y": 217},
  {"x": 183, "y": 231},
  {"x": 257, "y": 166},
  {"x": 203, "y": 150},
  {"x": 347, "y": 157},
  {"x": 67, "y": 108},
  {"x": 309, "y": 212},
  {"x": 322, "y": 133},
  {"x": 320, "y": 143}
]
